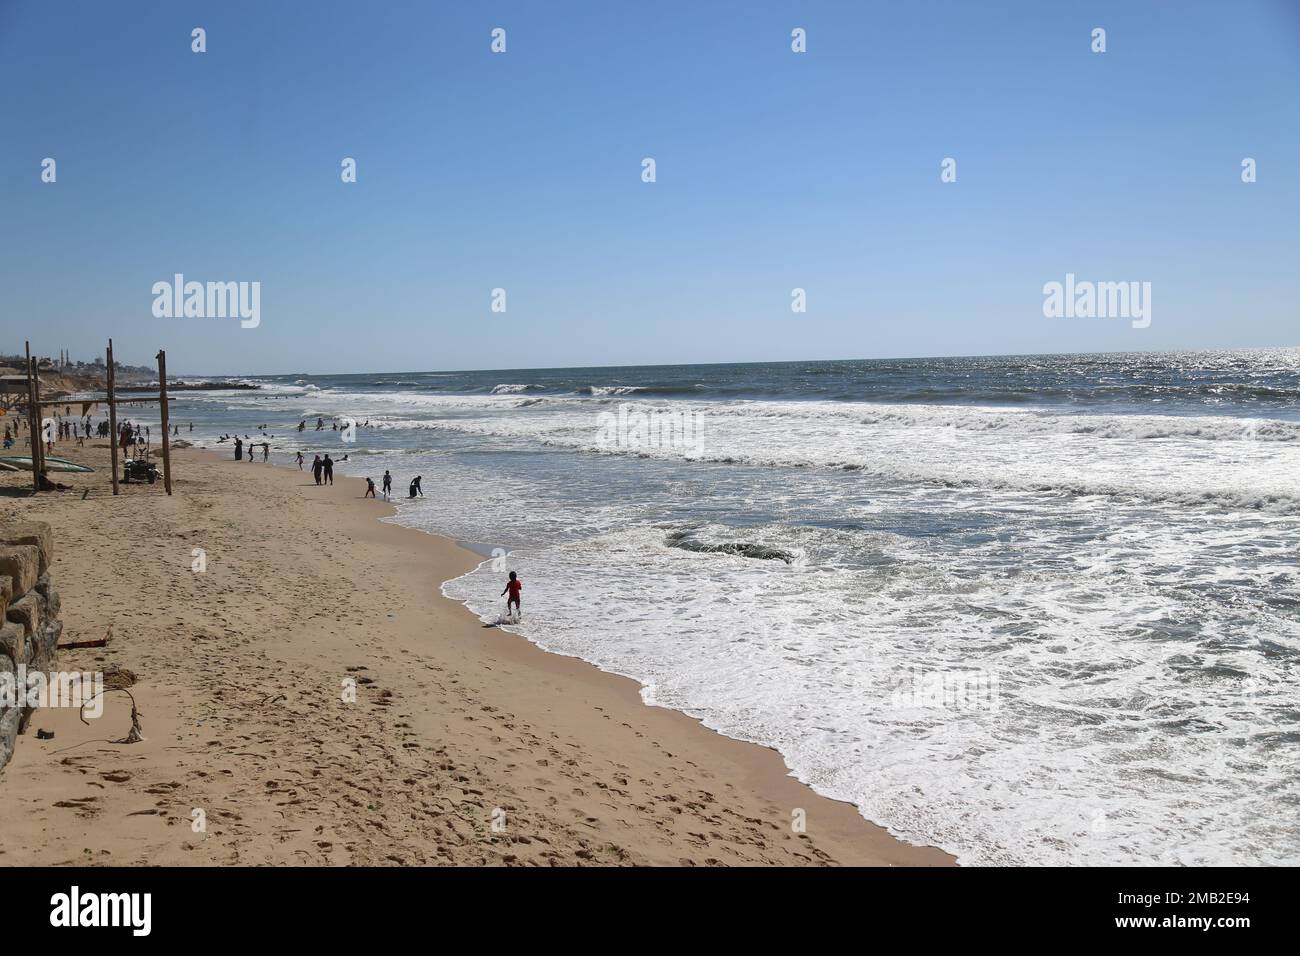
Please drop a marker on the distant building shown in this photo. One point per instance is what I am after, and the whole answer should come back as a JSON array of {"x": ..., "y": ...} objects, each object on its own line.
[{"x": 13, "y": 386}]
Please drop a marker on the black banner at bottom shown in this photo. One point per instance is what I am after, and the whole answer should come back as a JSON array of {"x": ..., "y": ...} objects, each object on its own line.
[{"x": 302, "y": 906}]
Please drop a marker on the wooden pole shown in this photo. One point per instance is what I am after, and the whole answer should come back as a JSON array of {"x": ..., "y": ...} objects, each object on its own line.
[
  {"x": 36, "y": 391},
  {"x": 112, "y": 414},
  {"x": 33, "y": 410},
  {"x": 167, "y": 439}
]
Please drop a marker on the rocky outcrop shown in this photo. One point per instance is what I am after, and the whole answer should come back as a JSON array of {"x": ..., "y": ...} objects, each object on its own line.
[{"x": 29, "y": 620}]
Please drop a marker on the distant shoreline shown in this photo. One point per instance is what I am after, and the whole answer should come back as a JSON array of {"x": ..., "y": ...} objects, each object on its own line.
[{"x": 216, "y": 386}]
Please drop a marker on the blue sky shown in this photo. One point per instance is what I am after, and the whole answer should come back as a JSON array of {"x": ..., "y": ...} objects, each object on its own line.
[{"x": 522, "y": 171}]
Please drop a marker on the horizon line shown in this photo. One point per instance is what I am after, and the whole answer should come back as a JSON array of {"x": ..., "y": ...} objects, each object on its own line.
[{"x": 895, "y": 358}]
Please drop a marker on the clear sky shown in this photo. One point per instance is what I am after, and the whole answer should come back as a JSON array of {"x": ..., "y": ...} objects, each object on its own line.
[{"x": 522, "y": 171}]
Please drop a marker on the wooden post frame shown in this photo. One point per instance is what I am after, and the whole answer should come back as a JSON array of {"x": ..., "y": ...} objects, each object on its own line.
[
  {"x": 166, "y": 428},
  {"x": 112, "y": 414},
  {"x": 39, "y": 447},
  {"x": 33, "y": 420}
]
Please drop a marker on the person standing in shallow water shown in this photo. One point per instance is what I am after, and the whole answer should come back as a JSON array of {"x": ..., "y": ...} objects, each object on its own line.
[
  {"x": 328, "y": 465},
  {"x": 415, "y": 488},
  {"x": 388, "y": 483},
  {"x": 513, "y": 587}
]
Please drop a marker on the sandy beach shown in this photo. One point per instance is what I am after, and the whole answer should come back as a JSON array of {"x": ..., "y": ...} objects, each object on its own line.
[{"x": 241, "y": 670}]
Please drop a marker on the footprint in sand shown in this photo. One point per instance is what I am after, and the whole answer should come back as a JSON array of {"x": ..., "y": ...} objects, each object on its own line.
[{"x": 85, "y": 806}]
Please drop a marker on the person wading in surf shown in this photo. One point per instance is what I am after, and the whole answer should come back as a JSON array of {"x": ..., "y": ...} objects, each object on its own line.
[{"x": 513, "y": 587}]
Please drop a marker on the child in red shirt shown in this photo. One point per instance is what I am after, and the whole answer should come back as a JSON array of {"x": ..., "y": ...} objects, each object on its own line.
[{"x": 513, "y": 587}]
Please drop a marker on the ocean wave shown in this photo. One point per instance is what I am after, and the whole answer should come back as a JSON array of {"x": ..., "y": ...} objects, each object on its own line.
[
  {"x": 975, "y": 419},
  {"x": 513, "y": 389},
  {"x": 1032, "y": 454},
  {"x": 602, "y": 391}
]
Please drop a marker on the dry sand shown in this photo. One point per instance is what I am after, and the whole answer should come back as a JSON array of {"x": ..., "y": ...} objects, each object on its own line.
[{"x": 241, "y": 673}]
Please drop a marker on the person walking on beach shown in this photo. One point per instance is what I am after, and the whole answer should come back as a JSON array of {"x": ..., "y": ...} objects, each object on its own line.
[
  {"x": 316, "y": 467},
  {"x": 388, "y": 483},
  {"x": 328, "y": 465},
  {"x": 300, "y": 461},
  {"x": 239, "y": 448},
  {"x": 513, "y": 587},
  {"x": 266, "y": 450},
  {"x": 415, "y": 488},
  {"x": 370, "y": 489}
]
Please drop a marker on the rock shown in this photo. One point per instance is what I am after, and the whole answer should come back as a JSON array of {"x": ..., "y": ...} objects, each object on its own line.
[
  {"x": 29, "y": 619},
  {"x": 26, "y": 611},
  {"x": 41, "y": 647},
  {"x": 13, "y": 642},
  {"x": 44, "y": 734},
  {"x": 9, "y": 720},
  {"x": 21, "y": 563},
  {"x": 35, "y": 533}
]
